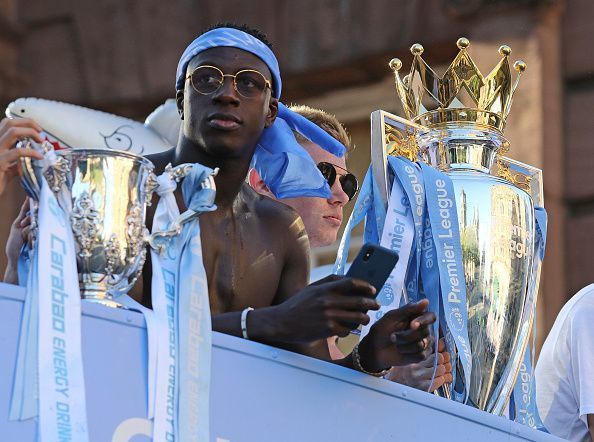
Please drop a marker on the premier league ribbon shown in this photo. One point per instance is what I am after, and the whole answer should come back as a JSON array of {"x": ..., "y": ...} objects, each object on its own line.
[
  {"x": 397, "y": 235},
  {"x": 441, "y": 207},
  {"x": 415, "y": 225},
  {"x": 50, "y": 341},
  {"x": 422, "y": 281},
  {"x": 369, "y": 208},
  {"x": 182, "y": 313},
  {"x": 523, "y": 400}
]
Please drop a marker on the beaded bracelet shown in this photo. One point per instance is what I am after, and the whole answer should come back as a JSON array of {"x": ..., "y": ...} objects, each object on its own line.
[{"x": 358, "y": 366}]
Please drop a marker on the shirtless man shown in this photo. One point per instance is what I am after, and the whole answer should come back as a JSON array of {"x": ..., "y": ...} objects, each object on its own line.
[{"x": 256, "y": 250}]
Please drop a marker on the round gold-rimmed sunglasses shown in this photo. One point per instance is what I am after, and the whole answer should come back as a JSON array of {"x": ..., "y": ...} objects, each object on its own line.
[{"x": 248, "y": 83}]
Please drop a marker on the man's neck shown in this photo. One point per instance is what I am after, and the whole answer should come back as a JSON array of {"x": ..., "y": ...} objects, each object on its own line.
[{"x": 232, "y": 171}]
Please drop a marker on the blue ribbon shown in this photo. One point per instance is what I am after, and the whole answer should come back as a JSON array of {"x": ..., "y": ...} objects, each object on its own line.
[
  {"x": 422, "y": 277},
  {"x": 368, "y": 207},
  {"x": 194, "y": 314},
  {"x": 522, "y": 407},
  {"x": 410, "y": 178},
  {"x": 441, "y": 205},
  {"x": 187, "y": 310}
]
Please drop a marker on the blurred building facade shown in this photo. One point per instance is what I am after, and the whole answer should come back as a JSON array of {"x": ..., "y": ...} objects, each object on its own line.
[{"x": 120, "y": 56}]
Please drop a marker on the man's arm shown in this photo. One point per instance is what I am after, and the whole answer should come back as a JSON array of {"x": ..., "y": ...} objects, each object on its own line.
[
  {"x": 19, "y": 232},
  {"x": 591, "y": 425},
  {"x": 294, "y": 277},
  {"x": 303, "y": 317},
  {"x": 300, "y": 317}
]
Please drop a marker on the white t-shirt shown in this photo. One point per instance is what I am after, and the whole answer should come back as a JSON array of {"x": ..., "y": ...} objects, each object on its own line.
[{"x": 565, "y": 370}]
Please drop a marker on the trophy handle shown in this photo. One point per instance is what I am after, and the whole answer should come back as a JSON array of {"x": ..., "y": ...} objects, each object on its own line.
[
  {"x": 523, "y": 176},
  {"x": 159, "y": 240},
  {"x": 391, "y": 135}
]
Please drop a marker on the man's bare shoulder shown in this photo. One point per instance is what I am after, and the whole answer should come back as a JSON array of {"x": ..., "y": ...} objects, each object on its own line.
[
  {"x": 161, "y": 159},
  {"x": 269, "y": 211}
]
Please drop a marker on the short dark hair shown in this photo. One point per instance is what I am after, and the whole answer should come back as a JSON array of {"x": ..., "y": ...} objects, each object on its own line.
[{"x": 245, "y": 28}]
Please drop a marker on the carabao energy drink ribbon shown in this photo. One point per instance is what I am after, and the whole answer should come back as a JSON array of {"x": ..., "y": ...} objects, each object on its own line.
[
  {"x": 25, "y": 387},
  {"x": 180, "y": 301},
  {"x": 50, "y": 341},
  {"x": 523, "y": 400},
  {"x": 61, "y": 390}
]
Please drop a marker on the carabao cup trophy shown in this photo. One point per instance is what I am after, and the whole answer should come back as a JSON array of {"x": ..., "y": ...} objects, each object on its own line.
[
  {"x": 105, "y": 193},
  {"x": 455, "y": 123}
]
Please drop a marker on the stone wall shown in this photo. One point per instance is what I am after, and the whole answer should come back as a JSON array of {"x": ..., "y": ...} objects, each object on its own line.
[{"x": 578, "y": 154}]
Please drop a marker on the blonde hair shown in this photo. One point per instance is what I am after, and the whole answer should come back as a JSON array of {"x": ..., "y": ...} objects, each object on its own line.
[{"x": 326, "y": 121}]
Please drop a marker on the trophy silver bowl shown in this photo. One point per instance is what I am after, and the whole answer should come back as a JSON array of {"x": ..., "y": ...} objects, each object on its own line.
[
  {"x": 497, "y": 235},
  {"x": 105, "y": 193}
]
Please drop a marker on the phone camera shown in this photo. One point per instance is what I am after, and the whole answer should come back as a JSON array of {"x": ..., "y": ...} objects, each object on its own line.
[{"x": 367, "y": 255}]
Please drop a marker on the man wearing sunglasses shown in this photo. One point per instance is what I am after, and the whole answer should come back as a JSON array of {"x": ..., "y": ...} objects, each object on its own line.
[{"x": 322, "y": 217}]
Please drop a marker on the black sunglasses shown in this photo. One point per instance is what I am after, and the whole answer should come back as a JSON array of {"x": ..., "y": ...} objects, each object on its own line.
[{"x": 348, "y": 181}]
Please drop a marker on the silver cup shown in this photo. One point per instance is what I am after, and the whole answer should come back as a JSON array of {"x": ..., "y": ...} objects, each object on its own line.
[
  {"x": 497, "y": 234},
  {"x": 105, "y": 193},
  {"x": 495, "y": 199}
]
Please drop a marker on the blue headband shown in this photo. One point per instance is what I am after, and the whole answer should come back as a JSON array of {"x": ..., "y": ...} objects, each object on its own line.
[
  {"x": 230, "y": 38},
  {"x": 286, "y": 168}
]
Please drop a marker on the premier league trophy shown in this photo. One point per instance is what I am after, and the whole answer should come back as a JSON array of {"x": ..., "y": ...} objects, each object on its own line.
[
  {"x": 106, "y": 193},
  {"x": 455, "y": 124}
]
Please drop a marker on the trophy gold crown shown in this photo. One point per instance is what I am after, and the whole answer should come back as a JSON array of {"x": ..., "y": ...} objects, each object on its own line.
[{"x": 432, "y": 101}]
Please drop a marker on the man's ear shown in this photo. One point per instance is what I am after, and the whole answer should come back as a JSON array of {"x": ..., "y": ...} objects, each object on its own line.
[
  {"x": 272, "y": 112},
  {"x": 179, "y": 100},
  {"x": 258, "y": 184}
]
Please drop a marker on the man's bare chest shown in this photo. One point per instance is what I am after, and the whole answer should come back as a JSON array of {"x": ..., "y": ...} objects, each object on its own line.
[{"x": 242, "y": 263}]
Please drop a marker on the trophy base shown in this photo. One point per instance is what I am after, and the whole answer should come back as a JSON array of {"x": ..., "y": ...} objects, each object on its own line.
[
  {"x": 108, "y": 302},
  {"x": 94, "y": 288}
]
